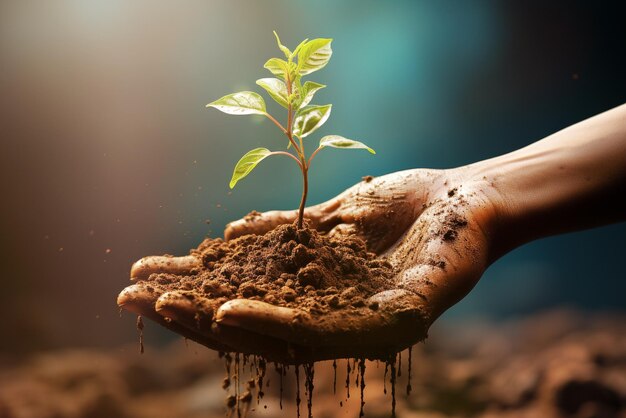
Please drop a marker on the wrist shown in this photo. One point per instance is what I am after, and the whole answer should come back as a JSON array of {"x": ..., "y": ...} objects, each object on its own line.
[{"x": 491, "y": 204}]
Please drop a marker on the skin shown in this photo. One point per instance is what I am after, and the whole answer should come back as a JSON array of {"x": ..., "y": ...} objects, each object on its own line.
[{"x": 441, "y": 229}]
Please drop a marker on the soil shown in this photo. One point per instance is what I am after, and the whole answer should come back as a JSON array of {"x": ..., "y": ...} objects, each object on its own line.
[{"x": 287, "y": 267}]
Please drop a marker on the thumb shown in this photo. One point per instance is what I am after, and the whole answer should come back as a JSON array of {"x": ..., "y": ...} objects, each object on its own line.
[
  {"x": 259, "y": 223},
  {"x": 322, "y": 217}
]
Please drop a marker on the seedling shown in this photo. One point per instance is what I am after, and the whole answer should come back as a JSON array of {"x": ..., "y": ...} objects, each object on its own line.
[{"x": 302, "y": 118}]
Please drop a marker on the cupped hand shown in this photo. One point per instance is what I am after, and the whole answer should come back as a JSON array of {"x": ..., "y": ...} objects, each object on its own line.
[{"x": 435, "y": 228}]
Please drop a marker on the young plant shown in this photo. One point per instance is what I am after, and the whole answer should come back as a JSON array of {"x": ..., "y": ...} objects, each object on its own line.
[{"x": 303, "y": 119}]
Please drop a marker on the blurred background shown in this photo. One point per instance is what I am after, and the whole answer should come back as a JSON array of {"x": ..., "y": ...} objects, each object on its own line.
[{"x": 108, "y": 153}]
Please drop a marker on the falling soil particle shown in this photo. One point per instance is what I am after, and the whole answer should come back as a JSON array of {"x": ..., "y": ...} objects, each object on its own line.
[
  {"x": 347, "y": 379},
  {"x": 298, "y": 390},
  {"x": 309, "y": 371},
  {"x": 334, "y": 376},
  {"x": 362, "y": 373},
  {"x": 261, "y": 374},
  {"x": 408, "y": 384},
  {"x": 140, "y": 329},
  {"x": 385, "y": 378},
  {"x": 236, "y": 378},
  {"x": 281, "y": 372},
  {"x": 392, "y": 366}
]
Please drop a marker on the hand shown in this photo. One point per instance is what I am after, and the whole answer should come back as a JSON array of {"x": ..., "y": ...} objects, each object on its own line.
[
  {"x": 440, "y": 229},
  {"x": 434, "y": 227}
]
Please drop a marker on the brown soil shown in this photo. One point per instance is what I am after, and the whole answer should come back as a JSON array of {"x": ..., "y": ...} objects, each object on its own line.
[{"x": 286, "y": 267}]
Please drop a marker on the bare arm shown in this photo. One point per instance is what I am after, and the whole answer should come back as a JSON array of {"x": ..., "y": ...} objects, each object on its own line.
[{"x": 571, "y": 180}]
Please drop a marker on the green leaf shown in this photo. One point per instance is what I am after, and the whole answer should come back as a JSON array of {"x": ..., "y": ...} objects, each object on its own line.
[
  {"x": 314, "y": 55},
  {"x": 280, "y": 67},
  {"x": 242, "y": 103},
  {"x": 295, "y": 51},
  {"x": 247, "y": 163},
  {"x": 275, "y": 88},
  {"x": 308, "y": 91},
  {"x": 282, "y": 47},
  {"x": 309, "y": 119},
  {"x": 337, "y": 141}
]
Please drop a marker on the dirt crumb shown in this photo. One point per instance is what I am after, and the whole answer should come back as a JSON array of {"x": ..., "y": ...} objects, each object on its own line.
[
  {"x": 367, "y": 179},
  {"x": 252, "y": 216}
]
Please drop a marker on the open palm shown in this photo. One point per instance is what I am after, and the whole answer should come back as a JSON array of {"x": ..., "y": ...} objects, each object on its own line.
[{"x": 434, "y": 228}]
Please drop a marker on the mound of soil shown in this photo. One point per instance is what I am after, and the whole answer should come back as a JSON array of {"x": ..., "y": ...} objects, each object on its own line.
[{"x": 286, "y": 267}]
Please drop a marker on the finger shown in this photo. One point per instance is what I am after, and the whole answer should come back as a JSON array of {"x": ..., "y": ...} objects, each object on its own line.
[
  {"x": 256, "y": 315},
  {"x": 187, "y": 309},
  {"x": 138, "y": 298},
  {"x": 321, "y": 217},
  {"x": 141, "y": 298},
  {"x": 259, "y": 223},
  {"x": 146, "y": 266},
  {"x": 368, "y": 326}
]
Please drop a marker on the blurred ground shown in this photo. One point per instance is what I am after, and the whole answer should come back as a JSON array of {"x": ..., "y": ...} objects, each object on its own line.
[{"x": 555, "y": 364}]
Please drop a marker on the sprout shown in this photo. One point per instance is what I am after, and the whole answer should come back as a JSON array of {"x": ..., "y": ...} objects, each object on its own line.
[{"x": 303, "y": 119}]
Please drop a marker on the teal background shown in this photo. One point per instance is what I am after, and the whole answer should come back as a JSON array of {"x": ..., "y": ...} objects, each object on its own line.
[{"x": 109, "y": 153}]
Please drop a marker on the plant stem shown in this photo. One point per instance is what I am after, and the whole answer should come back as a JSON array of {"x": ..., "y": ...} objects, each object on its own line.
[
  {"x": 300, "y": 150},
  {"x": 305, "y": 191},
  {"x": 288, "y": 155},
  {"x": 313, "y": 156},
  {"x": 285, "y": 131},
  {"x": 270, "y": 117}
]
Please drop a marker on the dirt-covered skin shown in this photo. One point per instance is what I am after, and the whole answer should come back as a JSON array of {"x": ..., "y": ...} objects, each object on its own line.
[{"x": 432, "y": 226}]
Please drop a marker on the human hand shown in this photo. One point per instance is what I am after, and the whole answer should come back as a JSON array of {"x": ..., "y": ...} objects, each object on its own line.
[
  {"x": 434, "y": 227},
  {"x": 440, "y": 229}
]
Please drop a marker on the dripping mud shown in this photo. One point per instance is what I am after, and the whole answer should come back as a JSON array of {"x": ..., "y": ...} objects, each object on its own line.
[{"x": 246, "y": 376}]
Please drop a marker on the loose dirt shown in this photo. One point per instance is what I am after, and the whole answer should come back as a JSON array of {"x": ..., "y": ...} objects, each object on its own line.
[{"x": 286, "y": 267}]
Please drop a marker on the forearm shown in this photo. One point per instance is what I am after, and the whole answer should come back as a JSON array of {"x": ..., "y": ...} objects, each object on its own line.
[{"x": 571, "y": 180}]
